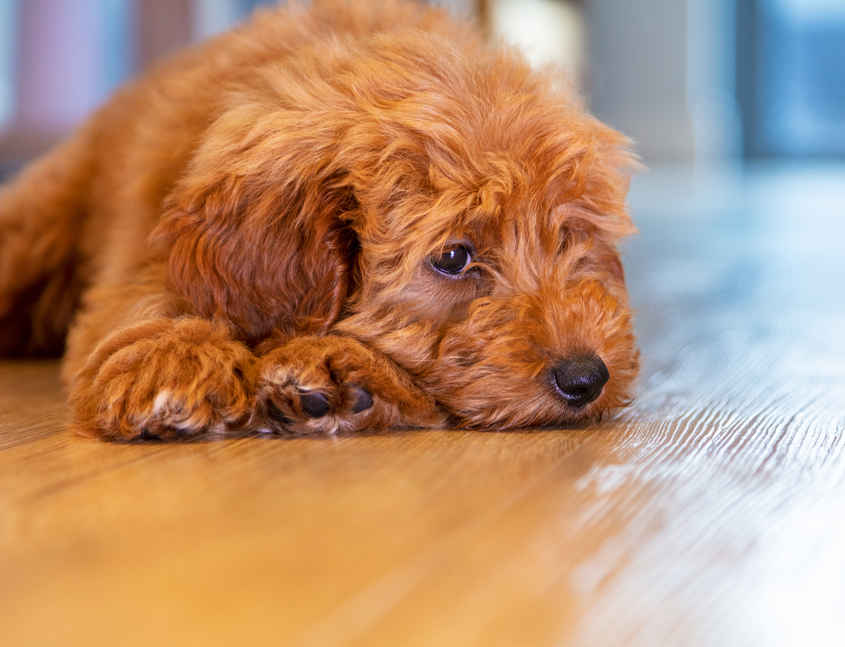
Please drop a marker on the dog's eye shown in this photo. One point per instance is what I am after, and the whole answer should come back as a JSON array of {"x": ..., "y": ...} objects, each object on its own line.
[{"x": 453, "y": 261}]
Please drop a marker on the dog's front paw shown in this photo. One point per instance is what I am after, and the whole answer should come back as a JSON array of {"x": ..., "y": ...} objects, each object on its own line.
[
  {"x": 336, "y": 384},
  {"x": 165, "y": 379}
]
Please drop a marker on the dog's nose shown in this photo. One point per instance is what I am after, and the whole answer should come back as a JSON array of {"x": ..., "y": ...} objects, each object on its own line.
[{"x": 580, "y": 380}]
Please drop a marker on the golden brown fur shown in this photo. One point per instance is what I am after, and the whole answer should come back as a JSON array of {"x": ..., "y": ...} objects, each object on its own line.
[{"x": 250, "y": 225}]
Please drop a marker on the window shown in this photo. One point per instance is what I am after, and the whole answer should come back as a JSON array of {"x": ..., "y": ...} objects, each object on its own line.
[{"x": 791, "y": 77}]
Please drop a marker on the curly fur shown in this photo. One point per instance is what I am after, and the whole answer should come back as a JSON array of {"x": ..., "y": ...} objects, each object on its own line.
[{"x": 251, "y": 222}]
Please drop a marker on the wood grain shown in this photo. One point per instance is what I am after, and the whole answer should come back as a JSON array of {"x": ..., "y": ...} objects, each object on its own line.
[{"x": 712, "y": 512}]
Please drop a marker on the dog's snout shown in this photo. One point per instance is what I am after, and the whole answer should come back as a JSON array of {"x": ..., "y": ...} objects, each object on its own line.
[{"x": 579, "y": 380}]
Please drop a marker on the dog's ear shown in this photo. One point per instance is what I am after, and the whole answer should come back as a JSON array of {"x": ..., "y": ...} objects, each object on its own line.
[{"x": 257, "y": 233}]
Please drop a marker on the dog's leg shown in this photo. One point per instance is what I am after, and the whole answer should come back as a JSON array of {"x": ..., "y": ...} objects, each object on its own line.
[
  {"x": 135, "y": 370},
  {"x": 164, "y": 378},
  {"x": 42, "y": 217},
  {"x": 332, "y": 384}
]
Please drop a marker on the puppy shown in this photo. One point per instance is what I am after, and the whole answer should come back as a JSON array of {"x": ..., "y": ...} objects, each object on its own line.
[{"x": 353, "y": 216}]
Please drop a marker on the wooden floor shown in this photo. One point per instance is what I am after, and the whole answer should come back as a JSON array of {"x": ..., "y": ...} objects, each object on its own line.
[{"x": 712, "y": 512}]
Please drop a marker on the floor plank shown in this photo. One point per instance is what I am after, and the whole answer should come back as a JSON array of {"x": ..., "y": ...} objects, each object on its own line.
[{"x": 710, "y": 512}]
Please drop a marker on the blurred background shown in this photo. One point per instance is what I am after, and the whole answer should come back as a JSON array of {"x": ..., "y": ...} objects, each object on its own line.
[{"x": 691, "y": 81}]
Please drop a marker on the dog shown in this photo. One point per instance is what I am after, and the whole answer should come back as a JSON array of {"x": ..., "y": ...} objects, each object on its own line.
[{"x": 331, "y": 219}]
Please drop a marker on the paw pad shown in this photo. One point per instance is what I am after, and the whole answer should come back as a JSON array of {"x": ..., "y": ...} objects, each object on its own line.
[
  {"x": 314, "y": 404},
  {"x": 363, "y": 399}
]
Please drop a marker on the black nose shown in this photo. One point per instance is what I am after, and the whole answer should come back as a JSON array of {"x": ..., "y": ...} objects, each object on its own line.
[{"x": 580, "y": 380}]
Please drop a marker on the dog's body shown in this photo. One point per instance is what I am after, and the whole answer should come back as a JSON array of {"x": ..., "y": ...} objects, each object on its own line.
[{"x": 330, "y": 219}]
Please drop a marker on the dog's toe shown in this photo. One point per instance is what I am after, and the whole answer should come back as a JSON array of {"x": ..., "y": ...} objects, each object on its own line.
[
  {"x": 314, "y": 404},
  {"x": 361, "y": 398}
]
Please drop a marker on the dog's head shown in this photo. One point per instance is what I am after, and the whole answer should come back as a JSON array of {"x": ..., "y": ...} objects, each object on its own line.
[{"x": 455, "y": 211}]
